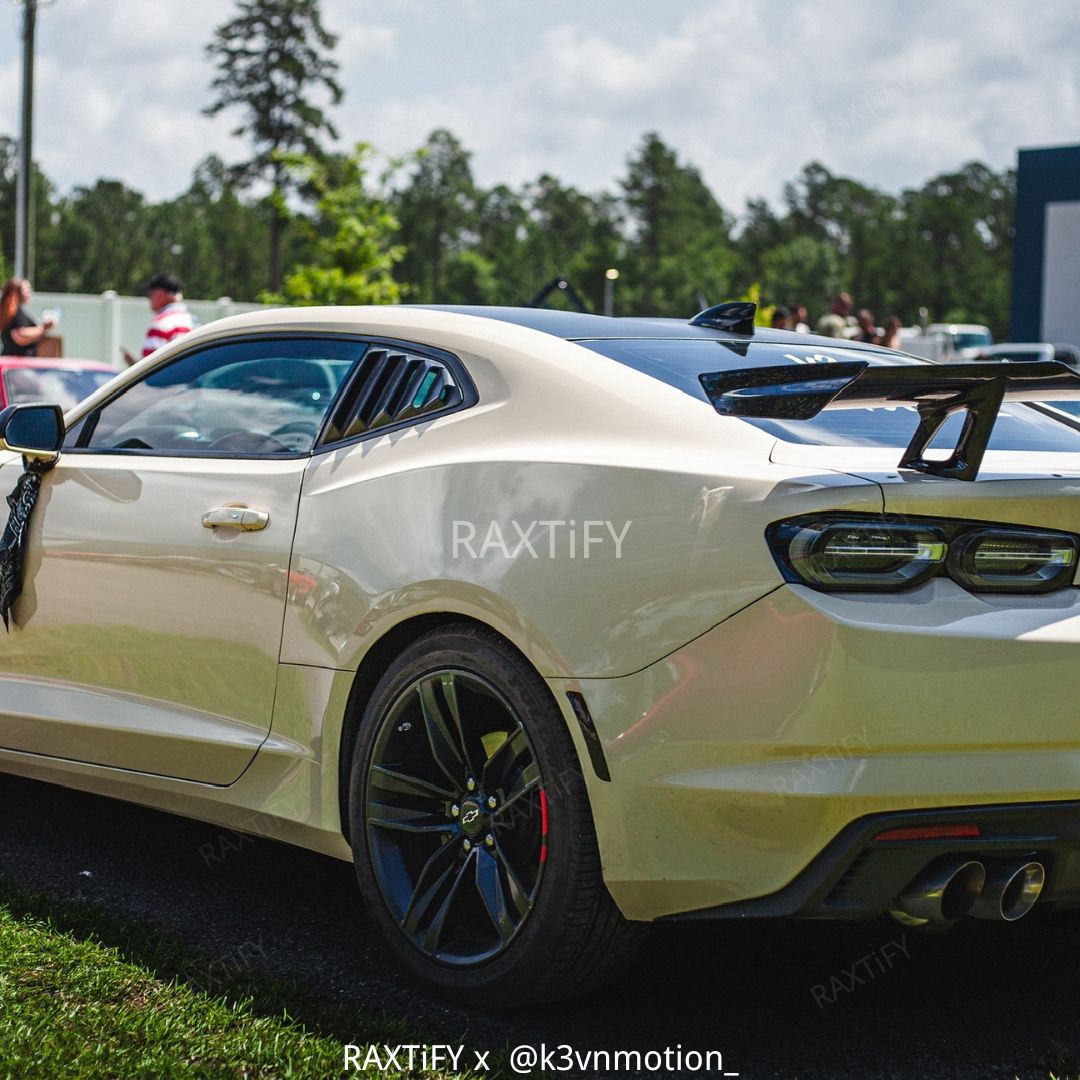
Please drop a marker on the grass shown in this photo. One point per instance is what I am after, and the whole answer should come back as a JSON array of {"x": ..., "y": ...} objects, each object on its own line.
[{"x": 84, "y": 994}]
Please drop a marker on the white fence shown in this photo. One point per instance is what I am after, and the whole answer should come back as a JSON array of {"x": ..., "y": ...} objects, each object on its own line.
[{"x": 97, "y": 327}]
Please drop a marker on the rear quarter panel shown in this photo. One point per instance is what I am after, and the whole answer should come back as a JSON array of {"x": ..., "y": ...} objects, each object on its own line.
[{"x": 559, "y": 435}]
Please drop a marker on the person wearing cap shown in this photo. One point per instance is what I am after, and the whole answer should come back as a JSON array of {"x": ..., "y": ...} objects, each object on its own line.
[{"x": 171, "y": 315}]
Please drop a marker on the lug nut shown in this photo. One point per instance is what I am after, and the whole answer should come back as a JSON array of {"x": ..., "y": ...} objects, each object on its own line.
[
  {"x": 470, "y": 784},
  {"x": 492, "y": 802},
  {"x": 455, "y": 810},
  {"x": 467, "y": 845},
  {"x": 489, "y": 840}
]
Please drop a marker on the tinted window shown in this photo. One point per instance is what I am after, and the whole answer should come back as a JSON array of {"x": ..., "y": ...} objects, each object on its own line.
[
  {"x": 250, "y": 397},
  {"x": 1017, "y": 428},
  {"x": 679, "y": 363},
  {"x": 971, "y": 340},
  {"x": 65, "y": 387}
]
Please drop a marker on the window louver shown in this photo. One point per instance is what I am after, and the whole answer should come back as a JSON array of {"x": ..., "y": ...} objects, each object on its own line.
[{"x": 394, "y": 386}]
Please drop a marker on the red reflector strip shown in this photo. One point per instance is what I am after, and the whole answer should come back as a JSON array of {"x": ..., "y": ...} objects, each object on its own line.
[
  {"x": 929, "y": 832},
  {"x": 543, "y": 826}
]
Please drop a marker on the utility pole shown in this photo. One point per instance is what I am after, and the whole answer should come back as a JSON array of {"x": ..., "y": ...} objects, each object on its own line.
[{"x": 24, "y": 190}]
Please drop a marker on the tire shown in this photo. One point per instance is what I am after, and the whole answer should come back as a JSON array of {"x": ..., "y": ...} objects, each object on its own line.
[{"x": 492, "y": 895}]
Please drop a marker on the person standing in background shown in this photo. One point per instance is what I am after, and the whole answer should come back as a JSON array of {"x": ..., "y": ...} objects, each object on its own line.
[
  {"x": 171, "y": 315},
  {"x": 867, "y": 331},
  {"x": 891, "y": 338},
  {"x": 836, "y": 322},
  {"x": 20, "y": 334},
  {"x": 781, "y": 318},
  {"x": 800, "y": 321}
]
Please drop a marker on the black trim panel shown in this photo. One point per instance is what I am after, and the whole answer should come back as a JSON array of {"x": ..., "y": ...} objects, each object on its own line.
[
  {"x": 592, "y": 738},
  {"x": 338, "y": 417},
  {"x": 855, "y": 877}
]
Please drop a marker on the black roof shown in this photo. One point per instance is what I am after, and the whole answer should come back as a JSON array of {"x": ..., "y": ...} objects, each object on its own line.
[
  {"x": 657, "y": 347},
  {"x": 579, "y": 326}
]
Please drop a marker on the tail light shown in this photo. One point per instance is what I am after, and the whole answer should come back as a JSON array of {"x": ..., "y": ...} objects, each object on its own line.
[
  {"x": 852, "y": 552},
  {"x": 864, "y": 554},
  {"x": 1013, "y": 560}
]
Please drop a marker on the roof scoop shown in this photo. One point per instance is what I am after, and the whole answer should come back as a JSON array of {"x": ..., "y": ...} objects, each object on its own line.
[{"x": 736, "y": 317}]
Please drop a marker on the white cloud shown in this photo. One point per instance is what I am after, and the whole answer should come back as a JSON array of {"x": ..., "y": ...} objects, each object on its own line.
[
  {"x": 363, "y": 41},
  {"x": 749, "y": 91}
]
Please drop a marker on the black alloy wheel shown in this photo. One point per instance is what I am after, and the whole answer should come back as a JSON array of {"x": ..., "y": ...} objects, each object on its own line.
[
  {"x": 471, "y": 828},
  {"x": 456, "y": 817}
]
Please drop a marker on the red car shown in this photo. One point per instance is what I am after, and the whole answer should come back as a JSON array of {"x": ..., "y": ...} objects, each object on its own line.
[{"x": 60, "y": 382}]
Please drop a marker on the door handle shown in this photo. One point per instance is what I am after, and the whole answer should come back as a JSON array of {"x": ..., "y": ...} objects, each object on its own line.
[{"x": 235, "y": 517}]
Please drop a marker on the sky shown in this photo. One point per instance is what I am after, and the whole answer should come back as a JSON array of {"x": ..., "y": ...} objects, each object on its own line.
[{"x": 890, "y": 92}]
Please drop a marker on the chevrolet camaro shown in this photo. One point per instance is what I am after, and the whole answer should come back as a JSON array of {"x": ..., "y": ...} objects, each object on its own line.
[{"x": 557, "y": 625}]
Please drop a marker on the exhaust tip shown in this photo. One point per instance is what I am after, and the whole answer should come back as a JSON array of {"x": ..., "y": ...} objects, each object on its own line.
[
  {"x": 1011, "y": 891},
  {"x": 944, "y": 892}
]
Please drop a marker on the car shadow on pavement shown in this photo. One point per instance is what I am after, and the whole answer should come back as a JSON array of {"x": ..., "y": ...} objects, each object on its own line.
[{"x": 243, "y": 916}]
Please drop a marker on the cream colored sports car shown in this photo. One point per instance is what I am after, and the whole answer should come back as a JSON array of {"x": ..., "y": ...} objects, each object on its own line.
[{"x": 557, "y": 625}]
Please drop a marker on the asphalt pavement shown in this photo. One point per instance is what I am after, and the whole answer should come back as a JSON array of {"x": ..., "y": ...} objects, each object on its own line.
[{"x": 808, "y": 1000}]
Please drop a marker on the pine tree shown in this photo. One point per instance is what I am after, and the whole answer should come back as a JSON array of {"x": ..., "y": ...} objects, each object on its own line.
[
  {"x": 437, "y": 212},
  {"x": 680, "y": 253},
  {"x": 273, "y": 61}
]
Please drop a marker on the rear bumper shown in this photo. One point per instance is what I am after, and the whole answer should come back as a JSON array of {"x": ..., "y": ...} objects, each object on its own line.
[
  {"x": 740, "y": 760},
  {"x": 859, "y": 877}
]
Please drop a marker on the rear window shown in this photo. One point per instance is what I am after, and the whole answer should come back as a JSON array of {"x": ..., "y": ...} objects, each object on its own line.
[
  {"x": 679, "y": 363},
  {"x": 65, "y": 387}
]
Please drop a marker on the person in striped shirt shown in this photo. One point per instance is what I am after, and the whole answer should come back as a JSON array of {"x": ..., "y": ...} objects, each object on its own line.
[{"x": 171, "y": 315}]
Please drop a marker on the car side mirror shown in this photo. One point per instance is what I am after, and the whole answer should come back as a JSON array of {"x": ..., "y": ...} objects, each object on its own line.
[{"x": 35, "y": 431}]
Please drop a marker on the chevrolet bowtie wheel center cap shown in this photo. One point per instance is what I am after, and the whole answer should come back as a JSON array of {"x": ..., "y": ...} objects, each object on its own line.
[{"x": 473, "y": 819}]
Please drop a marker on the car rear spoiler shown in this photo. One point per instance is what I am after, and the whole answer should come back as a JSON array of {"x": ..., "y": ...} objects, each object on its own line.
[{"x": 801, "y": 391}]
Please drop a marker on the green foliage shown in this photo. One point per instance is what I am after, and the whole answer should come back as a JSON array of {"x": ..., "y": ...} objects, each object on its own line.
[
  {"x": 803, "y": 266},
  {"x": 269, "y": 59},
  {"x": 436, "y": 208},
  {"x": 9, "y": 166},
  {"x": 352, "y": 257},
  {"x": 102, "y": 233},
  {"x": 471, "y": 278},
  {"x": 679, "y": 254},
  {"x": 215, "y": 238},
  {"x": 563, "y": 233},
  {"x": 273, "y": 61},
  {"x": 501, "y": 263},
  {"x": 764, "y": 313},
  {"x": 88, "y": 995},
  {"x": 958, "y": 244},
  {"x": 946, "y": 245}
]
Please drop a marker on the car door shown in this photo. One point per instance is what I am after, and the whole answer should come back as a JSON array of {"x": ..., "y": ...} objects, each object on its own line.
[{"x": 148, "y": 632}]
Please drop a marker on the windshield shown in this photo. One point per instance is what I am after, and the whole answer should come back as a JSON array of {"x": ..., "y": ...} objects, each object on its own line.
[
  {"x": 680, "y": 362},
  {"x": 972, "y": 340},
  {"x": 65, "y": 387},
  {"x": 1010, "y": 356}
]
